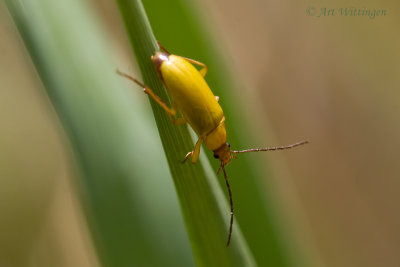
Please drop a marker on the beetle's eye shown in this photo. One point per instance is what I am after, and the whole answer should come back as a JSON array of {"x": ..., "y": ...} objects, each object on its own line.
[
  {"x": 216, "y": 156},
  {"x": 229, "y": 145}
]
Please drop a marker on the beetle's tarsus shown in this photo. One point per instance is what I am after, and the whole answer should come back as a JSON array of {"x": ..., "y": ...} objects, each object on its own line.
[{"x": 188, "y": 155}]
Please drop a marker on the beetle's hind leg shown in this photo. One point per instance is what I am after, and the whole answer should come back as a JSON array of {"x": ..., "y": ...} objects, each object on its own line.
[
  {"x": 171, "y": 111},
  {"x": 163, "y": 48},
  {"x": 203, "y": 70}
]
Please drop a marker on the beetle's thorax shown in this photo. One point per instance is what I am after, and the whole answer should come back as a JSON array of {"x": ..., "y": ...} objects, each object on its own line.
[{"x": 215, "y": 138}]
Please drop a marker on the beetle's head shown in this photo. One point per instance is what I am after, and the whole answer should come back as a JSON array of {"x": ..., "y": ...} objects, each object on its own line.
[{"x": 223, "y": 153}]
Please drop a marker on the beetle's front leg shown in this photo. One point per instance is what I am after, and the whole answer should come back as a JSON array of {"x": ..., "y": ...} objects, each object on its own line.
[{"x": 195, "y": 153}]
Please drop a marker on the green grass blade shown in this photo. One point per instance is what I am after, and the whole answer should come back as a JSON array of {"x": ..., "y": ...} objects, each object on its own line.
[
  {"x": 113, "y": 144},
  {"x": 204, "y": 207},
  {"x": 71, "y": 57},
  {"x": 184, "y": 28}
]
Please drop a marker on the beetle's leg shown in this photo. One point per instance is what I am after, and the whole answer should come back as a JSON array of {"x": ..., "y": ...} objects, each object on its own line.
[
  {"x": 176, "y": 121},
  {"x": 195, "y": 153},
  {"x": 171, "y": 112},
  {"x": 203, "y": 70},
  {"x": 163, "y": 48},
  {"x": 147, "y": 90},
  {"x": 217, "y": 98},
  {"x": 188, "y": 155}
]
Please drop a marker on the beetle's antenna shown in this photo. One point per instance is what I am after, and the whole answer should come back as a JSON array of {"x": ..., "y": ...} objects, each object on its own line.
[
  {"x": 231, "y": 203},
  {"x": 219, "y": 169},
  {"x": 270, "y": 148},
  {"x": 163, "y": 48}
]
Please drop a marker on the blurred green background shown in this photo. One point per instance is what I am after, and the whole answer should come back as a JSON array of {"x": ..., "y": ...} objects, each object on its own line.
[{"x": 332, "y": 80}]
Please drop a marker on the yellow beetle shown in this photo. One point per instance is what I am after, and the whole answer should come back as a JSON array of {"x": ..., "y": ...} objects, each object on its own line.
[{"x": 200, "y": 109}]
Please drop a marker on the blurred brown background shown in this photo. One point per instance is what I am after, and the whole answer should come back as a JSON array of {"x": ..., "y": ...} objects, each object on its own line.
[
  {"x": 335, "y": 81},
  {"x": 332, "y": 80},
  {"x": 40, "y": 220}
]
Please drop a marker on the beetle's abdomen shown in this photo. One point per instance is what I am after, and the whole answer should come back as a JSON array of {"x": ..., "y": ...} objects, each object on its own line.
[{"x": 191, "y": 94}]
